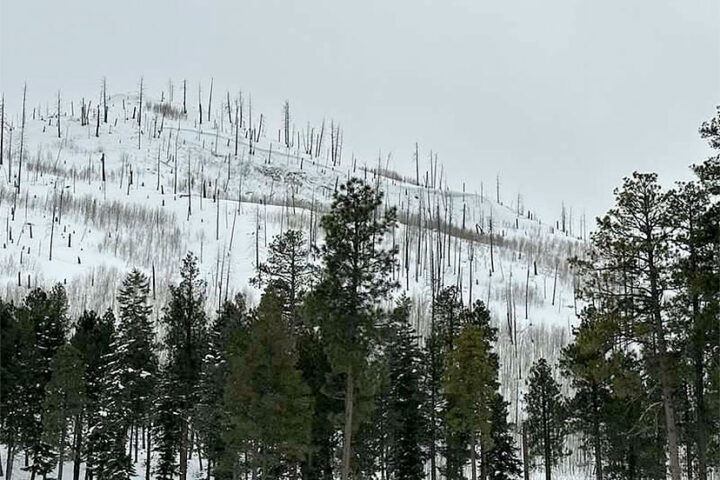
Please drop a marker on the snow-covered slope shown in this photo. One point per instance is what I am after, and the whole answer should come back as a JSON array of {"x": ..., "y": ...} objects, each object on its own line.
[{"x": 125, "y": 196}]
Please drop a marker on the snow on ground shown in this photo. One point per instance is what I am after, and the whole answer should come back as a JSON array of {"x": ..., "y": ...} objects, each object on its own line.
[
  {"x": 196, "y": 472},
  {"x": 135, "y": 211}
]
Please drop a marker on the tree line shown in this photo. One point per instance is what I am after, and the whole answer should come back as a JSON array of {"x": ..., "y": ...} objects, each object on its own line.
[
  {"x": 645, "y": 361},
  {"x": 325, "y": 377},
  {"x": 328, "y": 357}
]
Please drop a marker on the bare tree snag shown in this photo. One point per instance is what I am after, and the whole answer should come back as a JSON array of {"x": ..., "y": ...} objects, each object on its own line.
[
  {"x": 58, "y": 114},
  {"x": 210, "y": 99},
  {"x": 104, "y": 94},
  {"x": 184, "y": 97},
  {"x": 22, "y": 140}
]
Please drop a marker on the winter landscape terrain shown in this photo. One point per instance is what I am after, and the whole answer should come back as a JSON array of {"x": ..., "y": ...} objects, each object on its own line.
[
  {"x": 92, "y": 188},
  {"x": 144, "y": 183}
]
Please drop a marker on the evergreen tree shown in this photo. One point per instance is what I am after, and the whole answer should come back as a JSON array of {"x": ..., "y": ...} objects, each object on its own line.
[
  {"x": 269, "y": 406},
  {"x": 408, "y": 427},
  {"x": 501, "y": 458},
  {"x": 12, "y": 381},
  {"x": 470, "y": 385},
  {"x": 634, "y": 428},
  {"x": 694, "y": 212},
  {"x": 325, "y": 389},
  {"x": 44, "y": 324},
  {"x": 631, "y": 248},
  {"x": 587, "y": 363},
  {"x": 167, "y": 427},
  {"x": 108, "y": 410},
  {"x": 136, "y": 351},
  {"x": 707, "y": 405},
  {"x": 288, "y": 271},
  {"x": 355, "y": 277},
  {"x": 445, "y": 324},
  {"x": 211, "y": 415},
  {"x": 92, "y": 339},
  {"x": 371, "y": 438},
  {"x": 64, "y": 400},
  {"x": 545, "y": 416},
  {"x": 185, "y": 342}
]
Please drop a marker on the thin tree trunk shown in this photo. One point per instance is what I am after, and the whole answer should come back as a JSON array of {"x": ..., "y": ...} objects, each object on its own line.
[
  {"x": 77, "y": 457},
  {"x": 136, "y": 443},
  {"x": 598, "y": 440},
  {"x": 700, "y": 422},
  {"x": 183, "y": 450},
  {"x": 61, "y": 456},
  {"x": 526, "y": 469},
  {"x": 473, "y": 459},
  {"x": 665, "y": 380},
  {"x": 148, "y": 452},
  {"x": 10, "y": 460},
  {"x": 347, "y": 437},
  {"x": 22, "y": 140},
  {"x": 546, "y": 443}
]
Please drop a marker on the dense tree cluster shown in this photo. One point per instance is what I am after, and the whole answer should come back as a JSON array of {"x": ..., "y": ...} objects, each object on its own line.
[
  {"x": 645, "y": 362},
  {"x": 326, "y": 378},
  {"x": 326, "y": 359}
]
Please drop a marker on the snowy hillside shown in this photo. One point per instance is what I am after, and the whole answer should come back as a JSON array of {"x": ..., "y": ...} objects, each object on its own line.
[{"x": 94, "y": 198}]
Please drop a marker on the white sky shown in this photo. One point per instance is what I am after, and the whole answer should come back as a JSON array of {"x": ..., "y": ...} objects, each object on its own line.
[{"x": 562, "y": 98}]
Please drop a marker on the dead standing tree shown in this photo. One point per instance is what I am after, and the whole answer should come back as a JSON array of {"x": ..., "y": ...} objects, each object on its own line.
[
  {"x": 104, "y": 95},
  {"x": 286, "y": 122},
  {"x": 210, "y": 99},
  {"x": 139, "y": 117},
  {"x": 58, "y": 113},
  {"x": 22, "y": 139},
  {"x": 184, "y": 97}
]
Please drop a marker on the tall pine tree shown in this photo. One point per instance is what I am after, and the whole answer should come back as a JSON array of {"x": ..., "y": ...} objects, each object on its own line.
[
  {"x": 356, "y": 275},
  {"x": 545, "y": 416},
  {"x": 185, "y": 341},
  {"x": 269, "y": 406}
]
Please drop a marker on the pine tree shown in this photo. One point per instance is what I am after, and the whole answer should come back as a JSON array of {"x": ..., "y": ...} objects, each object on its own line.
[
  {"x": 355, "y": 277},
  {"x": 64, "y": 400},
  {"x": 211, "y": 414},
  {"x": 326, "y": 390},
  {"x": 185, "y": 343},
  {"x": 694, "y": 212},
  {"x": 470, "y": 385},
  {"x": 371, "y": 436},
  {"x": 545, "y": 416},
  {"x": 631, "y": 254},
  {"x": 136, "y": 350},
  {"x": 408, "y": 430},
  {"x": 288, "y": 271},
  {"x": 109, "y": 414},
  {"x": 268, "y": 404},
  {"x": 633, "y": 422},
  {"x": 93, "y": 339},
  {"x": 168, "y": 426},
  {"x": 501, "y": 458},
  {"x": 444, "y": 328},
  {"x": 12, "y": 378},
  {"x": 588, "y": 363},
  {"x": 44, "y": 322}
]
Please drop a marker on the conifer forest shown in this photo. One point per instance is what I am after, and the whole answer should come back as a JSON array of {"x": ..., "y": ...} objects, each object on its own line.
[
  {"x": 359, "y": 240},
  {"x": 333, "y": 372}
]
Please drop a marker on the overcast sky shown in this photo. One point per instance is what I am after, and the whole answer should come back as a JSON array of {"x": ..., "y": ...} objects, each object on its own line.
[{"x": 561, "y": 98}]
